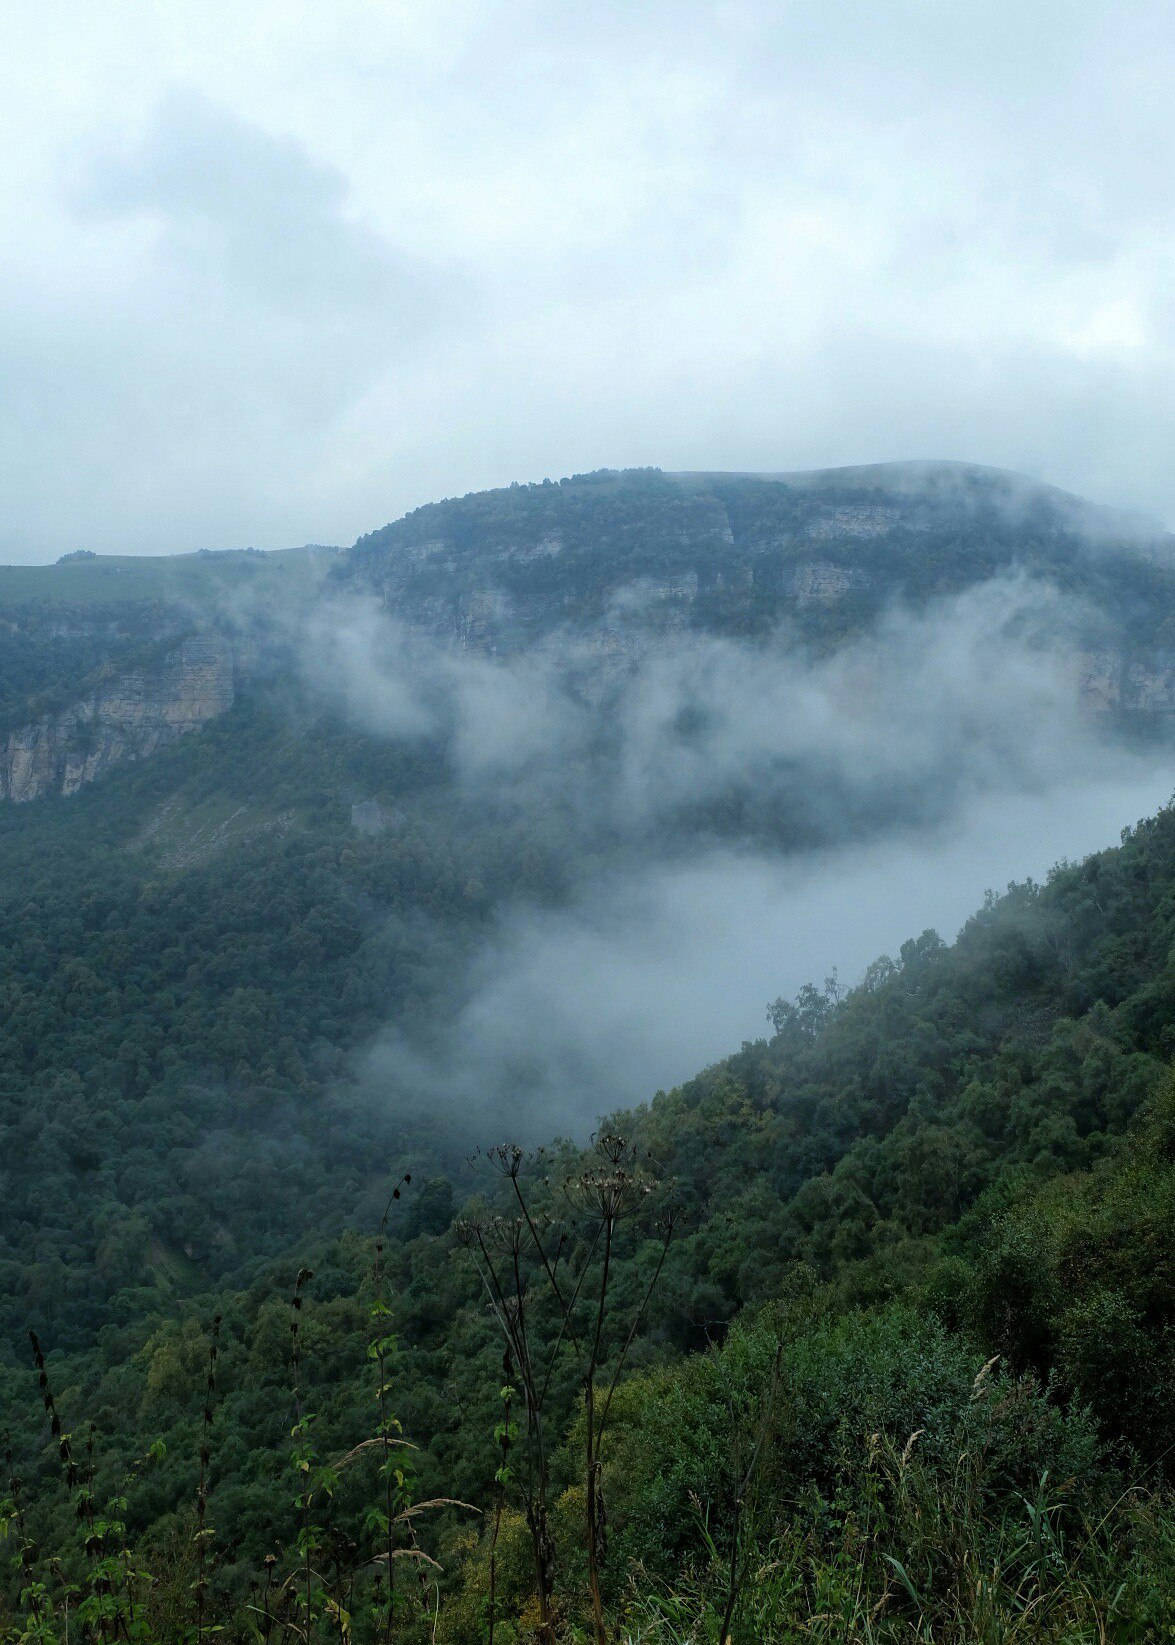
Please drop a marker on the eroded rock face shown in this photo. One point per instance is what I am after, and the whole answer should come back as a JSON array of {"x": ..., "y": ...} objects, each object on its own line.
[
  {"x": 818, "y": 582},
  {"x": 1109, "y": 683},
  {"x": 854, "y": 521},
  {"x": 127, "y": 719},
  {"x": 1150, "y": 688}
]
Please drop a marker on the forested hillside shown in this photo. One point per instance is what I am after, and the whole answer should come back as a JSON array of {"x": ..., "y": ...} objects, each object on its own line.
[
  {"x": 968, "y": 1155},
  {"x": 198, "y": 945}
]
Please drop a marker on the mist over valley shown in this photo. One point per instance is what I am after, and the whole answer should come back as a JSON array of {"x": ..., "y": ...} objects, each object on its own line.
[
  {"x": 717, "y": 849},
  {"x": 555, "y": 789}
]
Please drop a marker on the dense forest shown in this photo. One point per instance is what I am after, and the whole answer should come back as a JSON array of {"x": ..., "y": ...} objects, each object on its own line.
[
  {"x": 867, "y": 1331},
  {"x": 907, "y": 1346}
]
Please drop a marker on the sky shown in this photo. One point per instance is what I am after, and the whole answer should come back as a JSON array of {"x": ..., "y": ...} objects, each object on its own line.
[{"x": 275, "y": 272}]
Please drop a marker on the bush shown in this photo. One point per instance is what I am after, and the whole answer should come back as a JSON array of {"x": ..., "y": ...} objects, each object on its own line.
[{"x": 846, "y": 1388}]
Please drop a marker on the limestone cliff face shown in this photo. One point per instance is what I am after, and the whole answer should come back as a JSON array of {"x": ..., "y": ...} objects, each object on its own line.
[
  {"x": 614, "y": 567},
  {"x": 818, "y": 583},
  {"x": 126, "y": 719},
  {"x": 1109, "y": 682}
]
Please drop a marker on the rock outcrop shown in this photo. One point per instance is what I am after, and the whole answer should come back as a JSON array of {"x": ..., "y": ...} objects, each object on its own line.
[
  {"x": 817, "y": 582},
  {"x": 126, "y": 719},
  {"x": 1111, "y": 683},
  {"x": 614, "y": 566}
]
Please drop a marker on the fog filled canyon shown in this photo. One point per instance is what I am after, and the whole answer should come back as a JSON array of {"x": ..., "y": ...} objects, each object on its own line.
[
  {"x": 604, "y": 767},
  {"x": 771, "y": 820}
]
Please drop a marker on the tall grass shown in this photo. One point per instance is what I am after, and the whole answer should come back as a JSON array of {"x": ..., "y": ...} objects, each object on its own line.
[{"x": 920, "y": 1556}]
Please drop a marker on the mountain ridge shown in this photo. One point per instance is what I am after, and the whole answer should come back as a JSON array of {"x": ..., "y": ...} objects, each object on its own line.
[
  {"x": 596, "y": 573},
  {"x": 22, "y": 581}
]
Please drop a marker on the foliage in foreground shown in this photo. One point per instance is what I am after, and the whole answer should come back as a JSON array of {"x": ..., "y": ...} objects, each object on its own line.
[{"x": 823, "y": 1474}]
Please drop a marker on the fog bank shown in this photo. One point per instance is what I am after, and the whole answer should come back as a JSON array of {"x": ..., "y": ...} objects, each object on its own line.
[
  {"x": 649, "y": 978},
  {"x": 730, "y": 819}
]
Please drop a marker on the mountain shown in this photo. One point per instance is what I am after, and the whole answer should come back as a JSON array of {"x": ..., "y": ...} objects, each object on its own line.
[
  {"x": 616, "y": 565},
  {"x": 634, "y": 556},
  {"x": 107, "y": 659},
  {"x": 288, "y": 823},
  {"x": 318, "y": 870}
]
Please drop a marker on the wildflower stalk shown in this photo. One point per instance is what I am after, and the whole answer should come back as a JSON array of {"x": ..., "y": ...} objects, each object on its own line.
[
  {"x": 303, "y": 1456},
  {"x": 203, "y": 1532},
  {"x": 98, "y": 1602},
  {"x": 33, "y": 1596},
  {"x": 505, "y": 1433},
  {"x": 382, "y": 1345},
  {"x": 609, "y": 1193}
]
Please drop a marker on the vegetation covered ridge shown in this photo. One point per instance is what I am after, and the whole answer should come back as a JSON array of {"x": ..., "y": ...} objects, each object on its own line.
[{"x": 739, "y": 554}]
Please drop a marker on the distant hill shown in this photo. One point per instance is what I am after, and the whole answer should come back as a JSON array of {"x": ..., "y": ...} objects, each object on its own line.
[{"x": 196, "y": 581}]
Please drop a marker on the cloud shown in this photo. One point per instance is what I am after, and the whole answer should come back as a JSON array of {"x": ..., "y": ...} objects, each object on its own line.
[
  {"x": 374, "y": 255},
  {"x": 736, "y": 819},
  {"x": 239, "y": 208},
  {"x": 974, "y": 689},
  {"x": 500, "y": 718},
  {"x": 234, "y": 306},
  {"x": 648, "y": 977},
  {"x": 977, "y": 689}
]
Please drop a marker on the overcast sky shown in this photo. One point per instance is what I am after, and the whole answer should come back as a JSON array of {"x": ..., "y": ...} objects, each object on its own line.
[{"x": 276, "y": 272}]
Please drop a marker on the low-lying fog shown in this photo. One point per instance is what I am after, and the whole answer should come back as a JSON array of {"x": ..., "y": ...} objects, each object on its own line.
[
  {"x": 945, "y": 753},
  {"x": 647, "y": 980}
]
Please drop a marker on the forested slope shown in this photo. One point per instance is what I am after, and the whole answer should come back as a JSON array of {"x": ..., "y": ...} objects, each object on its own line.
[
  {"x": 188, "y": 957},
  {"x": 968, "y": 1155},
  {"x": 197, "y": 948}
]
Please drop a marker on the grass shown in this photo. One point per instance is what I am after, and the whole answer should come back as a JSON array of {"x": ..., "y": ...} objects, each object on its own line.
[{"x": 919, "y": 1557}]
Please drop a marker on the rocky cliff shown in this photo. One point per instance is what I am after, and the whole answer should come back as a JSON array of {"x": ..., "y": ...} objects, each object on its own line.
[
  {"x": 1111, "y": 682},
  {"x": 125, "y": 719},
  {"x": 623, "y": 560}
]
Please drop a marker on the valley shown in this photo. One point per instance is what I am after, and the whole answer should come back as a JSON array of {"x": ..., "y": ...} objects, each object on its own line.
[{"x": 322, "y": 871}]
